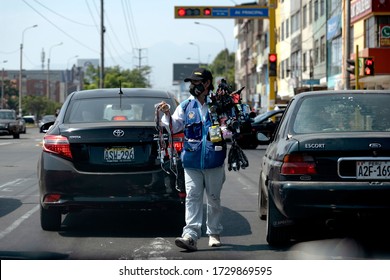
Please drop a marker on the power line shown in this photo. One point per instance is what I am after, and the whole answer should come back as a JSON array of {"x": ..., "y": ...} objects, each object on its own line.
[
  {"x": 68, "y": 19},
  {"x": 61, "y": 30}
]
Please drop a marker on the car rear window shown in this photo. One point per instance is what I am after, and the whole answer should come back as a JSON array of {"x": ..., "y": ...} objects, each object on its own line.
[
  {"x": 350, "y": 112},
  {"x": 112, "y": 110},
  {"x": 7, "y": 115}
]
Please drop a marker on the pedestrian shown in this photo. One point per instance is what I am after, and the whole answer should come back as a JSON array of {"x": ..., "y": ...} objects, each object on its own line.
[{"x": 203, "y": 158}]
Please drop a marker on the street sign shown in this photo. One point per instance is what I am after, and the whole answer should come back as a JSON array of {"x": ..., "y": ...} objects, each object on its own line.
[
  {"x": 311, "y": 82},
  {"x": 182, "y": 12}
]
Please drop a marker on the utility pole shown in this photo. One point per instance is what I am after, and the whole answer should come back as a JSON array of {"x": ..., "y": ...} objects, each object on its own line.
[
  {"x": 139, "y": 58},
  {"x": 102, "y": 31}
]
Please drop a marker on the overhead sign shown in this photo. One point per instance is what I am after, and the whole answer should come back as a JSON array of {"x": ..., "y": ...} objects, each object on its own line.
[{"x": 221, "y": 12}]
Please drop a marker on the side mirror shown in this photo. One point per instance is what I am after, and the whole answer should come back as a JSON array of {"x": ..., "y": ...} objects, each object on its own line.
[
  {"x": 263, "y": 139},
  {"x": 45, "y": 127}
]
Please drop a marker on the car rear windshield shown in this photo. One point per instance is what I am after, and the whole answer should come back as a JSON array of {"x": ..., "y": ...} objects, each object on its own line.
[
  {"x": 7, "y": 115},
  {"x": 112, "y": 110},
  {"x": 349, "y": 112}
]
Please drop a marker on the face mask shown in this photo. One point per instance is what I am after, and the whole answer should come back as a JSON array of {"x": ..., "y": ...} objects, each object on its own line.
[{"x": 196, "y": 90}]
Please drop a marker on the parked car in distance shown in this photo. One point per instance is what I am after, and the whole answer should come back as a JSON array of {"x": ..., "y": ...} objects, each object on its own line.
[
  {"x": 30, "y": 120},
  {"x": 104, "y": 151},
  {"x": 22, "y": 125},
  {"x": 328, "y": 161},
  {"x": 265, "y": 123},
  {"x": 45, "y": 119},
  {"x": 10, "y": 124}
]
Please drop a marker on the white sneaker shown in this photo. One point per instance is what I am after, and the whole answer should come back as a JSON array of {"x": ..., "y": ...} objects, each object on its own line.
[
  {"x": 187, "y": 243},
  {"x": 214, "y": 240}
]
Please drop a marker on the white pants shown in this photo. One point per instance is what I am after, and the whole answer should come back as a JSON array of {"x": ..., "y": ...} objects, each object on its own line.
[{"x": 197, "y": 181}]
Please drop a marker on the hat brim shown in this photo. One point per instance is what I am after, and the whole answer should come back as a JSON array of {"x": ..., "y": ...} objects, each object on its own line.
[{"x": 193, "y": 78}]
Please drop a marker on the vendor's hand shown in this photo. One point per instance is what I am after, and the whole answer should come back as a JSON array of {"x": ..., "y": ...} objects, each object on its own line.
[{"x": 163, "y": 107}]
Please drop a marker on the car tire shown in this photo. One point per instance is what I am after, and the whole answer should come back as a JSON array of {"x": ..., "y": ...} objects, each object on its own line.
[
  {"x": 16, "y": 136},
  {"x": 50, "y": 219},
  {"x": 262, "y": 201},
  {"x": 262, "y": 206},
  {"x": 277, "y": 234}
]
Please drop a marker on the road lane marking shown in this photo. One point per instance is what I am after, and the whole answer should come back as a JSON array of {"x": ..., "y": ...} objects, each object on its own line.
[
  {"x": 15, "y": 182},
  {"x": 15, "y": 224},
  {"x": 5, "y": 143}
]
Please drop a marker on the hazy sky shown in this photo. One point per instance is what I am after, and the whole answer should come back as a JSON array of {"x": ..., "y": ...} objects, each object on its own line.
[{"x": 135, "y": 29}]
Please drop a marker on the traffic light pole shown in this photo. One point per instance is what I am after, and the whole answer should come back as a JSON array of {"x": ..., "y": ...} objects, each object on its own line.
[
  {"x": 272, "y": 49},
  {"x": 357, "y": 67}
]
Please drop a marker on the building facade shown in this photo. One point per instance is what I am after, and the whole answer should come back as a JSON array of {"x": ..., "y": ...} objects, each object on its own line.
[{"x": 314, "y": 40}]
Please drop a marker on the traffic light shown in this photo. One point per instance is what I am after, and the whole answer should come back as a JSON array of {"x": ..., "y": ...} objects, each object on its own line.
[
  {"x": 369, "y": 69},
  {"x": 351, "y": 66},
  {"x": 193, "y": 12},
  {"x": 272, "y": 63}
]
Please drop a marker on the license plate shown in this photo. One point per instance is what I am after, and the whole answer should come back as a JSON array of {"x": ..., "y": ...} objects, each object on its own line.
[
  {"x": 373, "y": 169},
  {"x": 119, "y": 154}
]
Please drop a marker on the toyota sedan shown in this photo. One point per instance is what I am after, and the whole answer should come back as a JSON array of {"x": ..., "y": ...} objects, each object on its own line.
[
  {"x": 104, "y": 151},
  {"x": 328, "y": 161}
]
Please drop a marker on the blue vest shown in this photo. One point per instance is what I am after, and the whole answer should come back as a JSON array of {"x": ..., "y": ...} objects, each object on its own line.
[{"x": 199, "y": 152}]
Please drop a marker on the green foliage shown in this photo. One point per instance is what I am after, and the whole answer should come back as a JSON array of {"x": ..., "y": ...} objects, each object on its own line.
[
  {"x": 39, "y": 106},
  {"x": 218, "y": 67},
  {"x": 115, "y": 77}
]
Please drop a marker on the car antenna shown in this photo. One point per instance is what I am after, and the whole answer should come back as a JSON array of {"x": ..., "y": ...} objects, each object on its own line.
[{"x": 120, "y": 94}]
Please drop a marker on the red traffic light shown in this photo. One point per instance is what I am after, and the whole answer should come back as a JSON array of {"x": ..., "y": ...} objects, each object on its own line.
[
  {"x": 272, "y": 57},
  {"x": 207, "y": 12},
  {"x": 181, "y": 12},
  {"x": 369, "y": 69}
]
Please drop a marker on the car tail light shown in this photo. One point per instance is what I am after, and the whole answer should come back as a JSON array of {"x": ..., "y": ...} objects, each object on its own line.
[
  {"x": 182, "y": 195},
  {"x": 57, "y": 144},
  {"x": 298, "y": 164},
  {"x": 51, "y": 198}
]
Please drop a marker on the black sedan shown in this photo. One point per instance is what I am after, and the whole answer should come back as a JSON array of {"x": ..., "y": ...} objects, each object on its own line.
[
  {"x": 265, "y": 123},
  {"x": 328, "y": 161},
  {"x": 104, "y": 151}
]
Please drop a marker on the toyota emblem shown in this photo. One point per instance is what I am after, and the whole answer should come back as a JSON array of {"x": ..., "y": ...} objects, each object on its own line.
[{"x": 118, "y": 133}]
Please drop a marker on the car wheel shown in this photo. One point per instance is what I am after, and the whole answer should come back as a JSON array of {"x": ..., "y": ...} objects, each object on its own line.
[
  {"x": 50, "y": 219},
  {"x": 262, "y": 206},
  {"x": 277, "y": 234},
  {"x": 16, "y": 136},
  {"x": 262, "y": 201}
]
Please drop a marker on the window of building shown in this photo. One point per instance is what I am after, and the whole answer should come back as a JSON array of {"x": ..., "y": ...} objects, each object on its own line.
[
  {"x": 310, "y": 11},
  {"x": 282, "y": 32},
  {"x": 304, "y": 62},
  {"x": 304, "y": 16},
  {"x": 323, "y": 47},
  {"x": 322, "y": 7},
  {"x": 287, "y": 29},
  {"x": 295, "y": 24},
  {"x": 316, "y": 51},
  {"x": 370, "y": 33},
  {"x": 316, "y": 15}
]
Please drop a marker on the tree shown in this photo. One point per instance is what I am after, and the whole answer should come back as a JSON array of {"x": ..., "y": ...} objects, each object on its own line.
[
  {"x": 115, "y": 77},
  {"x": 218, "y": 67}
]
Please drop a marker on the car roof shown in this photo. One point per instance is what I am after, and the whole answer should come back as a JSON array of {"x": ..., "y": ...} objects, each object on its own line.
[
  {"x": 127, "y": 92},
  {"x": 335, "y": 92}
]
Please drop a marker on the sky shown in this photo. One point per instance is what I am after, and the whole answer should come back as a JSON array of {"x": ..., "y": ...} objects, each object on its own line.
[{"x": 137, "y": 32}]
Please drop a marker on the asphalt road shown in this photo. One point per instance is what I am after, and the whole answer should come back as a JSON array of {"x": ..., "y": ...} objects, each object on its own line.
[{"x": 122, "y": 235}]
